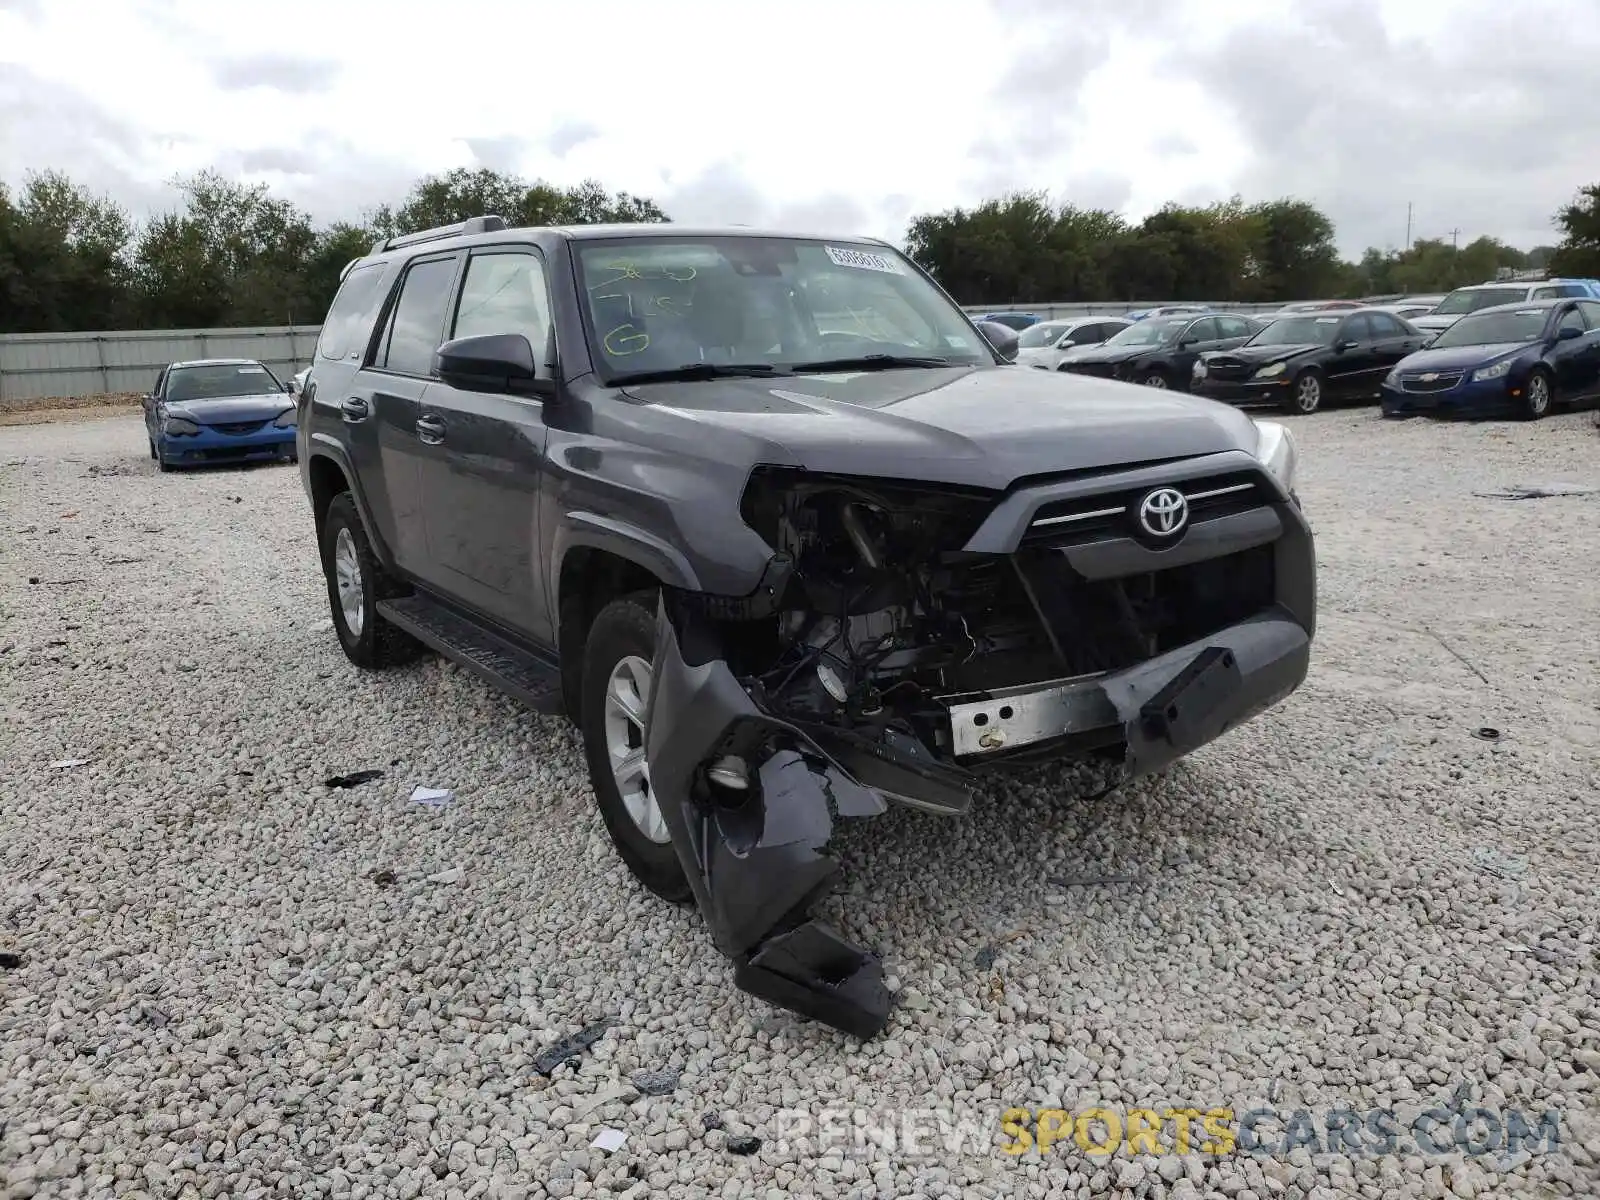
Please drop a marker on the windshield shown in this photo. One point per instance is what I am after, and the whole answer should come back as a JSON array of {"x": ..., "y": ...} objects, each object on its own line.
[
  {"x": 658, "y": 303},
  {"x": 1153, "y": 331},
  {"x": 1040, "y": 335},
  {"x": 1523, "y": 325},
  {"x": 218, "y": 381},
  {"x": 1298, "y": 331},
  {"x": 1471, "y": 301}
]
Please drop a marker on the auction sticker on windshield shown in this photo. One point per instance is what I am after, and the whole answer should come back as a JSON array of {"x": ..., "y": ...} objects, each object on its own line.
[{"x": 862, "y": 260}]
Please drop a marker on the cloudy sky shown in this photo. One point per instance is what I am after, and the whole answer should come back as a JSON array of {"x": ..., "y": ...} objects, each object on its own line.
[{"x": 848, "y": 116}]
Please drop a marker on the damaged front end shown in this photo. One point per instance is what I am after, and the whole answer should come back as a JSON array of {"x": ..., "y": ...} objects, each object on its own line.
[{"x": 883, "y": 658}]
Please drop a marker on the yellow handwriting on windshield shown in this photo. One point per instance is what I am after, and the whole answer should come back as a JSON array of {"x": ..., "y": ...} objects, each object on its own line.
[
  {"x": 625, "y": 269},
  {"x": 624, "y": 340}
]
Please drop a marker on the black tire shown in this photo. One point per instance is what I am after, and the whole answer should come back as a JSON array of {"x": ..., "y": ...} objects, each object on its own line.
[
  {"x": 378, "y": 644},
  {"x": 152, "y": 449},
  {"x": 623, "y": 628},
  {"x": 1305, "y": 393},
  {"x": 1538, "y": 395}
]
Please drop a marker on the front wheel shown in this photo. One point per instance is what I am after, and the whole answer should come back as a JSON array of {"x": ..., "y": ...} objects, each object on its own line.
[
  {"x": 356, "y": 582},
  {"x": 618, "y": 673},
  {"x": 1154, "y": 379},
  {"x": 1305, "y": 397},
  {"x": 1536, "y": 395}
]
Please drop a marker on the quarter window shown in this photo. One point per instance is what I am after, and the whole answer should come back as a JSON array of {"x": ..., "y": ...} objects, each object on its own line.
[
  {"x": 417, "y": 323},
  {"x": 350, "y": 316}
]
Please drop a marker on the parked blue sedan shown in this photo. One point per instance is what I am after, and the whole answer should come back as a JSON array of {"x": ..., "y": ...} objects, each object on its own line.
[
  {"x": 219, "y": 410},
  {"x": 1513, "y": 358}
]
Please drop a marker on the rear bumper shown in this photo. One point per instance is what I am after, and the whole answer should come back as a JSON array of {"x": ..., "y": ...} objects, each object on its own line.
[
  {"x": 756, "y": 857},
  {"x": 211, "y": 445}
]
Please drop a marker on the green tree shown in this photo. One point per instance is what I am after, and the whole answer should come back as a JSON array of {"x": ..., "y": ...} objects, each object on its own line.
[
  {"x": 1578, "y": 255},
  {"x": 63, "y": 258},
  {"x": 459, "y": 194}
]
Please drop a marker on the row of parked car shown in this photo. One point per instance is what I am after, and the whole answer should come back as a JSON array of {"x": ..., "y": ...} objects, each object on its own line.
[
  {"x": 1440, "y": 309},
  {"x": 1478, "y": 355}
]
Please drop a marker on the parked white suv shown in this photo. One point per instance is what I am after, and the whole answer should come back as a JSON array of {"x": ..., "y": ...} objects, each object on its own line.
[{"x": 1470, "y": 299}]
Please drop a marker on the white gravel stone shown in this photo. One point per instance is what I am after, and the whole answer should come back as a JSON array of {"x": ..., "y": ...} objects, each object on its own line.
[{"x": 236, "y": 981}]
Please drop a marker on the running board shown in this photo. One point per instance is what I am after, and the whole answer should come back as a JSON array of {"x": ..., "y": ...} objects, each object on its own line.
[{"x": 507, "y": 667}]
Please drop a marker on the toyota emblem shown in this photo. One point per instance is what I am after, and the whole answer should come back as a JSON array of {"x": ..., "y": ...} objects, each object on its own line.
[{"x": 1164, "y": 512}]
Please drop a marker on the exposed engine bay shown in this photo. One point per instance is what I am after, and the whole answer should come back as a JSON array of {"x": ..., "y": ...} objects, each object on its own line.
[
  {"x": 877, "y": 661},
  {"x": 885, "y": 628}
]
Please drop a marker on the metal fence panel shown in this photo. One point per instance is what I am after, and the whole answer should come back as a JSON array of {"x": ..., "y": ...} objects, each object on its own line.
[{"x": 38, "y": 365}]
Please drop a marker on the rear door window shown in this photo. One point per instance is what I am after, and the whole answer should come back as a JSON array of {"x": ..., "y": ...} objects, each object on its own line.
[{"x": 416, "y": 323}]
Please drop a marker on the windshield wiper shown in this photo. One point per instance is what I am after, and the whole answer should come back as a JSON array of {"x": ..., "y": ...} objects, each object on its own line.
[
  {"x": 871, "y": 362},
  {"x": 690, "y": 372}
]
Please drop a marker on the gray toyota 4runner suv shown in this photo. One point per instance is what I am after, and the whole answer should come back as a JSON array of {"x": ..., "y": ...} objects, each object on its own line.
[{"x": 790, "y": 541}]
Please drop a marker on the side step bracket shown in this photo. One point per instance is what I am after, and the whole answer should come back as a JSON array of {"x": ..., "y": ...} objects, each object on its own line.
[{"x": 508, "y": 667}]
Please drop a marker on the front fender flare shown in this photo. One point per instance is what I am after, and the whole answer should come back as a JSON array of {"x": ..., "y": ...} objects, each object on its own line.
[
  {"x": 320, "y": 445},
  {"x": 656, "y": 555}
]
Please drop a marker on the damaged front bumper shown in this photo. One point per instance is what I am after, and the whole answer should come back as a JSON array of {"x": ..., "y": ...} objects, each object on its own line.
[{"x": 754, "y": 852}]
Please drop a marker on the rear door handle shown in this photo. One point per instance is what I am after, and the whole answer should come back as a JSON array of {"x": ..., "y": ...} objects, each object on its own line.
[
  {"x": 430, "y": 430},
  {"x": 354, "y": 409}
]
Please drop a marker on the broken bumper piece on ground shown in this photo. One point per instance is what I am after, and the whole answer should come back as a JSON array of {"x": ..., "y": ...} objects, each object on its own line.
[{"x": 751, "y": 800}]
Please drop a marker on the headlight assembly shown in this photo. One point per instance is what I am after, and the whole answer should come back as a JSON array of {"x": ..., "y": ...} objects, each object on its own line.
[
  {"x": 1276, "y": 449},
  {"x": 179, "y": 427},
  {"x": 286, "y": 419},
  {"x": 1498, "y": 371},
  {"x": 1272, "y": 372}
]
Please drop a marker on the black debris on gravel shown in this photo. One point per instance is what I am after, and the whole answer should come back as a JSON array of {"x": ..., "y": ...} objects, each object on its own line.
[
  {"x": 743, "y": 1143},
  {"x": 354, "y": 779},
  {"x": 571, "y": 1047},
  {"x": 711, "y": 1121},
  {"x": 9, "y": 961},
  {"x": 656, "y": 1083}
]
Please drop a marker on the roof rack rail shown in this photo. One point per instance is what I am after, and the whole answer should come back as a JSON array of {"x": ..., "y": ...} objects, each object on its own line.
[{"x": 485, "y": 224}]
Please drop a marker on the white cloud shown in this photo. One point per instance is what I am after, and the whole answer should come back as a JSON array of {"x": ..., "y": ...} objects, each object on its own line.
[{"x": 823, "y": 112}]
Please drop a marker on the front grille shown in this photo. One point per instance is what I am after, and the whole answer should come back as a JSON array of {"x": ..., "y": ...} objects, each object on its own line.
[
  {"x": 1112, "y": 514},
  {"x": 239, "y": 428},
  {"x": 1110, "y": 625},
  {"x": 1442, "y": 381},
  {"x": 1229, "y": 370}
]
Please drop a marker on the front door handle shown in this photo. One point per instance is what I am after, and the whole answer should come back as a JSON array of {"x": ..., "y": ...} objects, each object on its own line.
[
  {"x": 430, "y": 430},
  {"x": 354, "y": 409}
]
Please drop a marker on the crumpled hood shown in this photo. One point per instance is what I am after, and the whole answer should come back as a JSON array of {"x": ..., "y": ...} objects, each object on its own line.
[
  {"x": 1434, "y": 324},
  {"x": 1459, "y": 358},
  {"x": 1029, "y": 355},
  {"x": 1114, "y": 354},
  {"x": 231, "y": 409},
  {"x": 1263, "y": 354},
  {"x": 974, "y": 426}
]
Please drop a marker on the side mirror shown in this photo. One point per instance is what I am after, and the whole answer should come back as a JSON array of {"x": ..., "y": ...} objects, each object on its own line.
[
  {"x": 1342, "y": 345},
  {"x": 494, "y": 362},
  {"x": 1566, "y": 333},
  {"x": 1187, "y": 342},
  {"x": 1002, "y": 337}
]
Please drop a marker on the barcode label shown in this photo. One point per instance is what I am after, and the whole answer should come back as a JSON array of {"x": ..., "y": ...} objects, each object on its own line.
[{"x": 861, "y": 260}]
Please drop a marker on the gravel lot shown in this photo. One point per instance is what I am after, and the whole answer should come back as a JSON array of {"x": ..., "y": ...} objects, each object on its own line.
[{"x": 235, "y": 980}]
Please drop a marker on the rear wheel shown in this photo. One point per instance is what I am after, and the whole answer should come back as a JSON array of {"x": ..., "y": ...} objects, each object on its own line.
[
  {"x": 1305, "y": 396},
  {"x": 618, "y": 673},
  {"x": 1536, "y": 395},
  {"x": 356, "y": 582}
]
